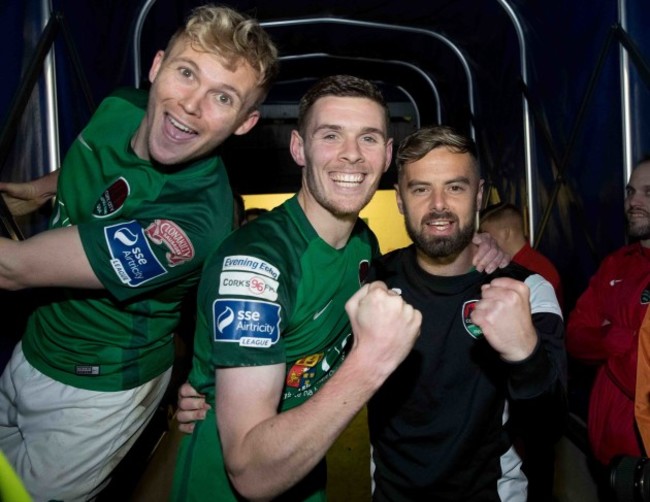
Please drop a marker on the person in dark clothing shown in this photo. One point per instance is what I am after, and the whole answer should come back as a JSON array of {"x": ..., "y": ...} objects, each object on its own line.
[{"x": 491, "y": 350}]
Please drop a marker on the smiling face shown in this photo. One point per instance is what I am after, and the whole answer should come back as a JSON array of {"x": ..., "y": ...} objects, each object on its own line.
[
  {"x": 344, "y": 152},
  {"x": 439, "y": 195},
  {"x": 637, "y": 204},
  {"x": 196, "y": 101}
]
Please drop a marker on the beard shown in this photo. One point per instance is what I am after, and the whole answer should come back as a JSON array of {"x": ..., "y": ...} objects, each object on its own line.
[
  {"x": 436, "y": 247},
  {"x": 639, "y": 229}
]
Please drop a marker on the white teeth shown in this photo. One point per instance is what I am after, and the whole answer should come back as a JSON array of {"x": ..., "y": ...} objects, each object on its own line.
[
  {"x": 347, "y": 178},
  {"x": 180, "y": 126}
]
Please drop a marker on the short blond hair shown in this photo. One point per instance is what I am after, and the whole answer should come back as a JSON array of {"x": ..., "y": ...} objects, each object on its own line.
[{"x": 232, "y": 36}]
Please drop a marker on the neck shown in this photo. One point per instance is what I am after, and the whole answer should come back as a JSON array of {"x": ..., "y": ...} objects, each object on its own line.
[
  {"x": 333, "y": 229},
  {"x": 138, "y": 141},
  {"x": 447, "y": 266}
]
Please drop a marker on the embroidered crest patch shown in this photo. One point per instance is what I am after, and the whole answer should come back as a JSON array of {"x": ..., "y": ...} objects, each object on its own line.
[
  {"x": 474, "y": 331},
  {"x": 112, "y": 199}
]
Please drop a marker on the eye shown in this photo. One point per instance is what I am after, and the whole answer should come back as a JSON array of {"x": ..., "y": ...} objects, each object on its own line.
[
  {"x": 369, "y": 139},
  {"x": 185, "y": 72},
  {"x": 456, "y": 188},
  {"x": 223, "y": 98},
  {"x": 629, "y": 191},
  {"x": 329, "y": 136}
]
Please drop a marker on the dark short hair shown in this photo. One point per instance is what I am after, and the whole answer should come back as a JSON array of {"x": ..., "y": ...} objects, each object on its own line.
[
  {"x": 342, "y": 86},
  {"x": 417, "y": 144}
]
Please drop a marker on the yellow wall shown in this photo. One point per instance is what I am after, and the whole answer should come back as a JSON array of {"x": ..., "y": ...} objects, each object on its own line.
[{"x": 381, "y": 215}]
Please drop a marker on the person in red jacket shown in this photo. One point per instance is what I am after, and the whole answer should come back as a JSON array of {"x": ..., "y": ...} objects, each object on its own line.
[
  {"x": 505, "y": 223},
  {"x": 604, "y": 324}
]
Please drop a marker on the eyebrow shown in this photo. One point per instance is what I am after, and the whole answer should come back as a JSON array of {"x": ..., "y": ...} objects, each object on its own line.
[{"x": 460, "y": 179}]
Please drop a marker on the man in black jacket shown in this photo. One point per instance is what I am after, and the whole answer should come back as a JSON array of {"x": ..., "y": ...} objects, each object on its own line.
[{"x": 491, "y": 349}]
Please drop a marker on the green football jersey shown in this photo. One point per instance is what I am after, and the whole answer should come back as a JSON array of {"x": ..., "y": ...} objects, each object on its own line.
[
  {"x": 273, "y": 293},
  {"x": 146, "y": 230}
]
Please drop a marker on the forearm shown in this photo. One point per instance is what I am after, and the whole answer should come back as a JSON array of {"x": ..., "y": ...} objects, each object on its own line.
[
  {"x": 282, "y": 450},
  {"x": 538, "y": 385},
  {"x": 10, "y": 265},
  {"x": 51, "y": 258}
]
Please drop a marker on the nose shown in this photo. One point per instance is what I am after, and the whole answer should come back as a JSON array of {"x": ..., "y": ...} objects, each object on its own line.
[
  {"x": 191, "y": 102},
  {"x": 437, "y": 200},
  {"x": 351, "y": 151},
  {"x": 635, "y": 198}
]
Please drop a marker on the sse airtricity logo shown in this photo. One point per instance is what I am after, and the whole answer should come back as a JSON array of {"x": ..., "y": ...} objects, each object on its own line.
[
  {"x": 132, "y": 258},
  {"x": 249, "y": 323},
  {"x": 126, "y": 237}
]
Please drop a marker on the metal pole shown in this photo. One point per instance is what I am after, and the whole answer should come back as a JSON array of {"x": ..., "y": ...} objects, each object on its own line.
[
  {"x": 528, "y": 127},
  {"x": 626, "y": 114},
  {"x": 51, "y": 109}
]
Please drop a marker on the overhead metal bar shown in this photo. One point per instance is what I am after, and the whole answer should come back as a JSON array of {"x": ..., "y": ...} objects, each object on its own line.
[
  {"x": 397, "y": 28},
  {"x": 423, "y": 74}
]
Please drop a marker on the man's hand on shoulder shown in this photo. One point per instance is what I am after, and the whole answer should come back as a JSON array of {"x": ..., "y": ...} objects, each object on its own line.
[{"x": 489, "y": 256}]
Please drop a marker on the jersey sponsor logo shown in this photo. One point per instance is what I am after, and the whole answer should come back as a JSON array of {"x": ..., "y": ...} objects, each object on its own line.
[
  {"x": 248, "y": 284},
  {"x": 131, "y": 255},
  {"x": 113, "y": 198},
  {"x": 303, "y": 371},
  {"x": 364, "y": 267},
  {"x": 174, "y": 238},
  {"x": 470, "y": 327},
  {"x": 249, "y": 323},
  {"x": 250, "y": 264}
]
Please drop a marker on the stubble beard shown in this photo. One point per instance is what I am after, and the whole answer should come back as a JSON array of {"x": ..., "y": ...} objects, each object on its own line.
[
  {"x": 331, "y": 206},
  {"x": 639, "y": 230},
  {"x": 440, "y": 247}
]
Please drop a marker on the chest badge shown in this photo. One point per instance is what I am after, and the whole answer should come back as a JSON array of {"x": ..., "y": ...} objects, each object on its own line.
[
  {"x": 112, "y": 200},
  {"x": 474, "y": 331}
]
